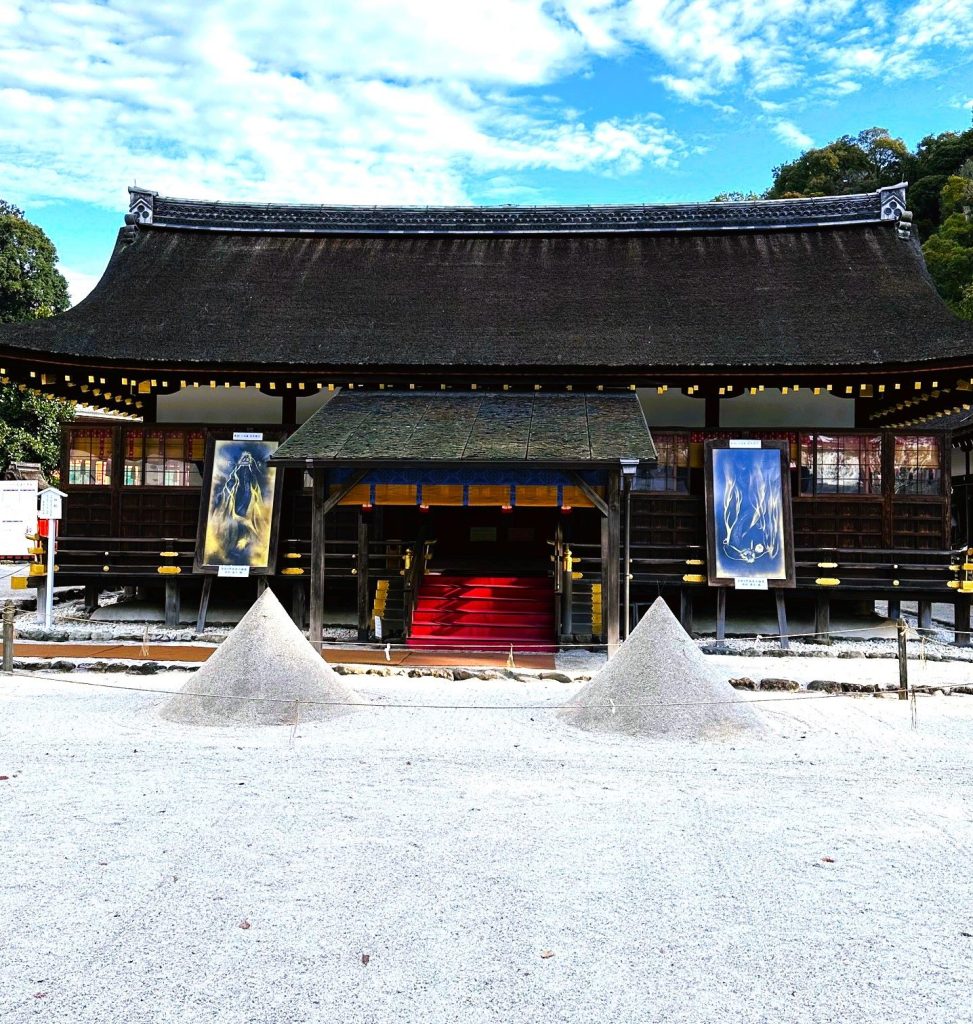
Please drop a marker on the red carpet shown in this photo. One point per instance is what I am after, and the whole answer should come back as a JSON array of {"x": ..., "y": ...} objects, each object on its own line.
[{"x": 484, "y": 613}]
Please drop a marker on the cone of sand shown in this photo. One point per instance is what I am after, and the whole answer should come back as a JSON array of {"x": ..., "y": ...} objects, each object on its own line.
[
  {"x": 660, "y": 685},
  {"x": 265, "y": 657}
]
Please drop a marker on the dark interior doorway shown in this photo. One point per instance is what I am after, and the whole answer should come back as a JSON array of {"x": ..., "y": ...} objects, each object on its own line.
[{"x": 480, "y": 539}]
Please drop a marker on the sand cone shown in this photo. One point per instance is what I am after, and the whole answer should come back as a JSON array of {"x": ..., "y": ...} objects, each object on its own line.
[
  {"x": 268, "y": 657},
  {"x": 660, "y": 664}
]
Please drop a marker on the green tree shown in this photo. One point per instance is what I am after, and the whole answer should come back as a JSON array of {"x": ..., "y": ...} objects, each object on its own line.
[
  {"x": 859, "y": 163},
  {"x": 30, "y": 287},
  {"x": 30, "y": 428},
  {"x": 949, "y": 257}
]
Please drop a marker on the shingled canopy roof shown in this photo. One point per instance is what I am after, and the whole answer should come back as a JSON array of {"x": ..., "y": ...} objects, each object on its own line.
[
  {"x": 572, "y": 290},
  {"x": 387, "y": 428}
]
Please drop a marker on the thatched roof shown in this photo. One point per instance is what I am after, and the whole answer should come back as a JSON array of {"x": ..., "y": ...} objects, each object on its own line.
[{"x": 793, "y": 283}]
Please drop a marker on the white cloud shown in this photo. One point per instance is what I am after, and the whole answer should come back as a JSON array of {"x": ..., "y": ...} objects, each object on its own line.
[
  {"x": 357, "y": 101},
  {"x": 407, "y": 100},
  {"x": 791, "y": 135},
  {"x": 79, "y": 283}
]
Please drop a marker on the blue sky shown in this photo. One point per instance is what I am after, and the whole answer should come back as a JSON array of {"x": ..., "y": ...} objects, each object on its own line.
[{"x": 448, "y": 101}]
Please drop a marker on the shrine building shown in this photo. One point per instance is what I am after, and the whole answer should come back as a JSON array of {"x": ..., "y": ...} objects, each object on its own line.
[{"x": 489, "y": 425}]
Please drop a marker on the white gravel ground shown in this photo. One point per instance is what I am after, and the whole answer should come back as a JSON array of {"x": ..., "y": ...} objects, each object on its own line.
[{"x": 165, "y": 873}]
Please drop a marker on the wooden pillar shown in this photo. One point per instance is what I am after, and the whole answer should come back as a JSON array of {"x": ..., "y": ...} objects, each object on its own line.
[
  {"x": 712, "y": 413},
  {"x": 925, "y": 614},
  {"x": 785, "y": 644},
  {"x": 318, "y": 488},
  {"x": 172, "y": 604},
  {"x": 720, "y": 616},
  {"x": 895, "y": 608},
  {"x": 288, "y": 407},
  {"x": 611, "y": 553},
  {"x": 91, "y": 594},
  {"x": 686, "y": 609},
  {"x": 362, "y": 566},
  {"x": 822, "y": 619},
  {"x": 299, "y": 603},
  {"x": 204, "y": 603},
  {"x": 961, "y": 620}
]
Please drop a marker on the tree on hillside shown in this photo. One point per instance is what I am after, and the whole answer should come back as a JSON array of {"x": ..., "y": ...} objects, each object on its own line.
[
  {"x": 30, "y": 287},
  {"x": 949, "y": 251},
  {"x": 927, "y": 170},
  {"x": 860, "y": 163}
]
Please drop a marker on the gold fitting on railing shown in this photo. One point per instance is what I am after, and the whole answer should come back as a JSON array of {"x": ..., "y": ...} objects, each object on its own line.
[
  {"x": 694, "y": 577},
  {"x": 827, "y": 565},
  {"x": 292, "y": 571},
  {"x": 827, "y": 581},
  {"x": 105, "y": 568},
  {"x": 168, "y": 554},
  {"x": 169, "y": 570},
  {"x": 292, "y": 554},
  {"x": 695, "y": 561}
]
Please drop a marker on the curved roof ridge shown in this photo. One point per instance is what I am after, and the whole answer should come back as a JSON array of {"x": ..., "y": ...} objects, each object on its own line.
[{"x": 148, "y": 208}]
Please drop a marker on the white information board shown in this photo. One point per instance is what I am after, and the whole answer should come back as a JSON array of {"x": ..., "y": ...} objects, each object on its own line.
[
  {"x": 233, "y": 570},
  {"x": 18, "y": 517},
  {"x": 50, "y": 506},
  {"x": 750, "y": 583}
]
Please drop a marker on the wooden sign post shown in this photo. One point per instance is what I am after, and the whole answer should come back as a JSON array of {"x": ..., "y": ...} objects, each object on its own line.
[{"x": 49, "y": 508}]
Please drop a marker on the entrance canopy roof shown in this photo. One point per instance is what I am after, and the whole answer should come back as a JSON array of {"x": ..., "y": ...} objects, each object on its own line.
[{"x": 481, "y": 428}]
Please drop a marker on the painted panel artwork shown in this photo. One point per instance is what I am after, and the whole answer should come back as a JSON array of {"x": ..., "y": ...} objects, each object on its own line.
[
  {"x": 748, "y": 508},
  {"x": 238, "y": 512}
]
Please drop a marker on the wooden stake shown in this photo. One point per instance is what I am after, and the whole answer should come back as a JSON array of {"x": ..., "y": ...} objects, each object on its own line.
[{"x": 903, "y": 661}]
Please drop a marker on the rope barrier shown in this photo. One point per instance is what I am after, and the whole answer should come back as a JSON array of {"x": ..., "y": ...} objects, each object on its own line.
[{"x": 428, "y": 707}]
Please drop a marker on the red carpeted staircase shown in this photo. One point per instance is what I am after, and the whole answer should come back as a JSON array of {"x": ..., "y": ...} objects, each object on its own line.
[{"x": 484, "y": 613}]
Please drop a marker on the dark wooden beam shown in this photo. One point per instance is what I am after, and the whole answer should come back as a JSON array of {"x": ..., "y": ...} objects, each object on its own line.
[
  {"x": 590, "y": 493},
  {"x": 319, "y": 483},
  {"x": 342, "y": 491}
]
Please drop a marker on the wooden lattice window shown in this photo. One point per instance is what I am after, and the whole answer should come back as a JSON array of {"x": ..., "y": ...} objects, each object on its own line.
[
  {"x": 918, "y": 465},
  {"x": 841, "y": 464},
  {"x": 164, "y": 458},
  {"x": 89, "y": 456},
  {"x": 671, "y": 471}
]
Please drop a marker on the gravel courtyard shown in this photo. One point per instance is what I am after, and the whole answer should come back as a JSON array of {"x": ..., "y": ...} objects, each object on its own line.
[{"x": 414, "y": 864}]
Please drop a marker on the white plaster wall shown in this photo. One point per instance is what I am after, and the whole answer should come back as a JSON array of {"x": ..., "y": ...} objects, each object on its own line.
[
  {"x": 672, "y": 409},
  {"x": 958, "y": 462},
  {"x": 772, "y": 409},
  {"x": 243, "y": 406},
  {"x": 311, "y": 403}
]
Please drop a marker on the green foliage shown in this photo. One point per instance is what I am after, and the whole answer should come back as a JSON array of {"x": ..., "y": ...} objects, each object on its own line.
[
  {"x": 940, "y": 194},
  {"x": 949, "y": 257},
  {"x": 30, "y": 428},
  {"x": 860, "y": 163},
  {"x": 735, "y": 197},
  {"x": 30, "y": 287}
]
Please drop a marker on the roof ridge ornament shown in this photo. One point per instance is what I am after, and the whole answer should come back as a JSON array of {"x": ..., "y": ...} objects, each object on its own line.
[
  {"x": 892, "y": 200},
  {"x": 141, "y": 205}
]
